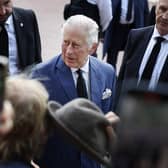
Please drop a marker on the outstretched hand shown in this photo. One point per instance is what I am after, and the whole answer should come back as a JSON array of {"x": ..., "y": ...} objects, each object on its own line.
[{"x": 113, "y": 119}]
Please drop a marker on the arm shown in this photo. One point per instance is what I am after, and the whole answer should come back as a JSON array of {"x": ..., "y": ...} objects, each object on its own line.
[
  {"x": 105, "y": 12},
  {"x": 120, "y": 79},
  {"x": 38, "y": 57}
]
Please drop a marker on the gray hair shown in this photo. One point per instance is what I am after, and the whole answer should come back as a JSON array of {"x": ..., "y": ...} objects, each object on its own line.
[{"x": 88, "y": 25}]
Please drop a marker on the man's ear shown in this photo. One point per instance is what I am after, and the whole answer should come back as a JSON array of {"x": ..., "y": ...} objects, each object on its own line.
[{"x": 93, "y": 48}]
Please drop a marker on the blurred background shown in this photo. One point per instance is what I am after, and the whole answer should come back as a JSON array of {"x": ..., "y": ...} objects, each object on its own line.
[{"x": 50, "y": 18}]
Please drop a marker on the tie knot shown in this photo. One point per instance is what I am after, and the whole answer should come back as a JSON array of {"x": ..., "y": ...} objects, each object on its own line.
[
  {"x": 160, "y": 39},
  {"x": 2, "y": 27},
  {"x": 79, "y": 72}
]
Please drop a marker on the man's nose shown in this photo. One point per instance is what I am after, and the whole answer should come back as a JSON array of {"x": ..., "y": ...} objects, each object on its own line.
[
  {"x": 165, "y": 15},
  {"x": 69, "y": 48}
]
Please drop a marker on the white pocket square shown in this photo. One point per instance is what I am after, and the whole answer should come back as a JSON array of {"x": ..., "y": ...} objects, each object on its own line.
[{"x": 106, "y": 94}]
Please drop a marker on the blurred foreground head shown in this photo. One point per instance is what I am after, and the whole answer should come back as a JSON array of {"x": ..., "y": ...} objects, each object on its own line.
[
  {"x": 29, "y": 101},
  {"x": 142, "y": 132}
]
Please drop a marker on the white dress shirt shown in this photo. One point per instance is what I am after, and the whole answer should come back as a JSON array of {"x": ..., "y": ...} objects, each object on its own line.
[
  {"x": 13, "y": 51},
  {"x": 161, "y": 59},
  {"x": 105, "y": 11},
  {"x": 85, "y": 74}
]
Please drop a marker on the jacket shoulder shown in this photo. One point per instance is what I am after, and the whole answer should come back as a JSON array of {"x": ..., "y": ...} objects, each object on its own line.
[
  {"x": 22, "y": 10},
  {"x": 102, "y": 66},
  {"x": 47, "y": 66},
  {"x": 24, "y": 14},
  {"x": 142, "y": 30}
]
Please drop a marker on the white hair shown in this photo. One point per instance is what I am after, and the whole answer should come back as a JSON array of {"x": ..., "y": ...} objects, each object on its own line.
[{"x": 89, "y": 26}]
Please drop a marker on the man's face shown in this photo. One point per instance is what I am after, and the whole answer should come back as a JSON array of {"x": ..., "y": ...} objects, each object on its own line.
[
  {"x": 162, "y": 17},
  {"x": 5, "y": 10},
  {"x": 75, "y": 49}
]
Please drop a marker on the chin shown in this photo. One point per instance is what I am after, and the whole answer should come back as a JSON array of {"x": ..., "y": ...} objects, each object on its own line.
[{"x": 71, "y": 65}]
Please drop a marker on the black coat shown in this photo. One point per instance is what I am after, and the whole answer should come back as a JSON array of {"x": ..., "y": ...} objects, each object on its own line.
[{"x": 27, "y": 37}]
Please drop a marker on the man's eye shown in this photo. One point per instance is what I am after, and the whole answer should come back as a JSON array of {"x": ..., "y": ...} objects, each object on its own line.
[
  {"x": 7, "y": 2},
  {"x": 65, "y": 42},
  {"x": 162, "y": 9},
  {"x": 76, "y": 46}
]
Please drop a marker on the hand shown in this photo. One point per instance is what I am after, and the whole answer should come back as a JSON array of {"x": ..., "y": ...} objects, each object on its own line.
[
  {"x": 113, "y": 119},
  {"x": 6, "y": 118}
]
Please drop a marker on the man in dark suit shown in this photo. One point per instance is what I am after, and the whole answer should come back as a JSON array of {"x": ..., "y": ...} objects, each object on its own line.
[
  {"x": 61, "y": 78},
  {"x": 117, "y": 32},
  {"x": 140, "y": 46},
  {"x": 24, "y": 46}
]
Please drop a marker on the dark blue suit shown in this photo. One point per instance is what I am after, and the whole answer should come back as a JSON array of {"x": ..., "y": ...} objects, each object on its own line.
[
  {"x": 58, "y": 80},
  {"x": 116, "y": 34}
]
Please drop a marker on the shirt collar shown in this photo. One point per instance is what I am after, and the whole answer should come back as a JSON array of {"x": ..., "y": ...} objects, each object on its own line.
[
  {"x": 157, "y": 34},
  {"x": 84, "y": 68},
  {"x": 9, "y": 21}
]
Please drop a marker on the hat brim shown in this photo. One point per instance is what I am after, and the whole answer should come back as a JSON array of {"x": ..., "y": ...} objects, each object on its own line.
[{"x": 75, "y": 139}]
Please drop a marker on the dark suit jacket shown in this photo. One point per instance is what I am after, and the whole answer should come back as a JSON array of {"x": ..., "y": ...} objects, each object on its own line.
[
  {"x": 27, "y": 37},
  {"x": 137, "y": 43},
  {"x": 114, "y": 35},
  {"x": 58, "y": 80}
]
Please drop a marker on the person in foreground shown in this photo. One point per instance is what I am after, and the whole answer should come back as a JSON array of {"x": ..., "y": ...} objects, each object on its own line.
[
  {"x": 22, "y": 122},
  {"x": 26, "y": 118},
  {"x": 63, "y": 77}
]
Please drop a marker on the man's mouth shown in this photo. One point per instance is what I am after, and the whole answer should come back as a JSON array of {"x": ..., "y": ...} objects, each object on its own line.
[{"x": 164, "y": 22}]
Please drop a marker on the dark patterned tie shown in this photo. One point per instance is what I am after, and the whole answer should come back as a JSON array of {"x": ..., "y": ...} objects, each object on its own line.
[
  {"x": 81, "y": 87},
  {"x": 147, "y": 73},
  {"x": 129, "y": 10},
  {"x": 3, "y": 41}
]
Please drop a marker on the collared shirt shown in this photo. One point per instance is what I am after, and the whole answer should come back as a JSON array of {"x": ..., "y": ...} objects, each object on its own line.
[
  {"x": 161, "y": 59},
  {"x": 105, "y": 11},
  {"x": 85, "y": 74},
  {"x": 13, "y": 51},
  {"x": 124, "y": 9}
]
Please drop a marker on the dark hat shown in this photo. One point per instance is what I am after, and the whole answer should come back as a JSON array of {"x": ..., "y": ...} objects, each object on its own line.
[{"x": 85, "y": 124}]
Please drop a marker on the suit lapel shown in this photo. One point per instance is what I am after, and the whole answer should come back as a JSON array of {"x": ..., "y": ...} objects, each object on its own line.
[
  {"x": 139, "y": 47},
  {"x": 164, "y": 72},
  {"x": 95, "y": 83},
  {"x": 19, "y": 30},
  {"x": 65, "y": 76}
]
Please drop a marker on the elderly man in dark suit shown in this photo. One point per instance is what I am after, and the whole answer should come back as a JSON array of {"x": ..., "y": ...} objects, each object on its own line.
[
  {"x": 19, "y": 36},
  {"x": 127, "y": 14},
  {"x": 146, "y": 53},
  {"x": 74, "y": 74}
]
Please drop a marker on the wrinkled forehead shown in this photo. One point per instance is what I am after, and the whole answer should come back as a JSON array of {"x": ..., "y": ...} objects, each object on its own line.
[{"x": 75, "y": 32}]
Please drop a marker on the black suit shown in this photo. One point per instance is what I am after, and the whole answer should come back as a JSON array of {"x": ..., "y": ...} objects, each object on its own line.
[
  {"x": 137, "y": 43},
  {"x": 27, "y": 37}
]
